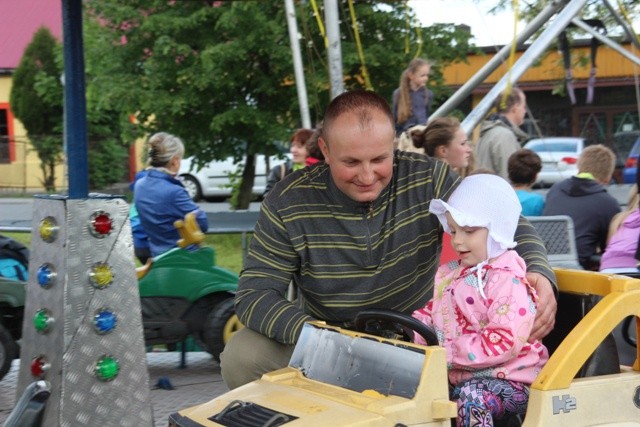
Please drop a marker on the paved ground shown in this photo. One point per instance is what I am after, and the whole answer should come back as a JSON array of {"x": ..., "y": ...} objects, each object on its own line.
[{"x": 199, "y": 382}]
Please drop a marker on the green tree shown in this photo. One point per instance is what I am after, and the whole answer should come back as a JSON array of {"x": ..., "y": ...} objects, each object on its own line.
[
  {"x": 40, "y": 115},
  {"x": 219, "y": 73},
  {"x": 37, "y": 101}
]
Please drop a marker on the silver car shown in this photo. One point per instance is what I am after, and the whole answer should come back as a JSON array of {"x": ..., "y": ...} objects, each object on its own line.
[
  {"x": 214, "y": 179},
  {"x": 559, "y": 155}
]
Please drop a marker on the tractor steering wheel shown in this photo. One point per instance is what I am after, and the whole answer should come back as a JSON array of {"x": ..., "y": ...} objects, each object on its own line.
[{"x": 390, "y": 323}]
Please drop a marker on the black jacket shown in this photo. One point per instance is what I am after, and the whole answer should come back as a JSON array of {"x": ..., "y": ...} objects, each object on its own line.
[
  {"x": 276, "y": 174},
  {"x": 590, "y": 206}
]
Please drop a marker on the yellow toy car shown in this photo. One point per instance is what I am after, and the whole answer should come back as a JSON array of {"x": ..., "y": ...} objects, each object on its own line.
[{"x": 344, "y": 378}]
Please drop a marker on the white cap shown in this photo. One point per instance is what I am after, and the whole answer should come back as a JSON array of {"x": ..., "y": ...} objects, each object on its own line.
[{"x": 483, "y": 200}]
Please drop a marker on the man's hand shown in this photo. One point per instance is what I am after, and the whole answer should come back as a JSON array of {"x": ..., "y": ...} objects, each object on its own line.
[{"x": 547, "y": 306}]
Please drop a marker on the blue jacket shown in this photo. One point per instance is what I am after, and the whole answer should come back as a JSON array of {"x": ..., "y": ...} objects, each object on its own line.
[{"x": 161, "y": 199}]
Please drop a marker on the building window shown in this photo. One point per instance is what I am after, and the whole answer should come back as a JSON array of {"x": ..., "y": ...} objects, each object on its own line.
[{"x": 7, "y": 143}]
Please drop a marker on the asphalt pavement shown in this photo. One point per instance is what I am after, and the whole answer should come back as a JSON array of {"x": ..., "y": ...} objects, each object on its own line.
[{"x": 173, "y": 387}]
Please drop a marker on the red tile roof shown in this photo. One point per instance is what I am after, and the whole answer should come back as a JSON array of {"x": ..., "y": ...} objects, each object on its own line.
[{"x": 19, "y": 20}]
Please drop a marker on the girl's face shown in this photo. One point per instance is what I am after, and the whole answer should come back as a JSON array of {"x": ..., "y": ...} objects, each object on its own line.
[
  {"x": 470, "y": 243},
  {"x": 457, "y": 152},
  {"x": 419, "y": 78},
  {"x": 299, "y": 152}
]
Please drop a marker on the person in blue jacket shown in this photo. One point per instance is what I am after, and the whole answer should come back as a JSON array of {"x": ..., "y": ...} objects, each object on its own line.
[
  {"x": 141, "y": 248},
  {"x": 523, "y": 167},
  {"x": 160, "y": 197}
]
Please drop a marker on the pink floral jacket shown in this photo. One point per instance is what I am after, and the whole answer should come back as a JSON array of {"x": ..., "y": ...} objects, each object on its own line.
[{"x": 485, "y": 337}]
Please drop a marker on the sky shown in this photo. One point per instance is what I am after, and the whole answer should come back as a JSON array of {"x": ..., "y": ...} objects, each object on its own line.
[{"x": 487, "y": 29}]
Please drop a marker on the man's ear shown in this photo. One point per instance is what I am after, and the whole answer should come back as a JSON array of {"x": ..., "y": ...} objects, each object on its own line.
[{"x": 324, "y": 148}]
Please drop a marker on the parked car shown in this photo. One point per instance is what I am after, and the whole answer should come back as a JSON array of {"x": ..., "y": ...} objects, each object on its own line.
[
  {"x": 559, "y": 157},
  {"x": 622, "y": 145},
  {"x": 214, "y": 179},
  {"x": 631, "y": 164}
]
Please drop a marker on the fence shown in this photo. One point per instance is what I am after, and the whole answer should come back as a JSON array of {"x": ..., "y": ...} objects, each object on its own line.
[{"x": 242, "y": 222}]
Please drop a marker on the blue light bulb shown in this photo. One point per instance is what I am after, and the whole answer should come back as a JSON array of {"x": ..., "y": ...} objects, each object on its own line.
[
  {"x": 105, "y": 321},
  {"x": 46, "y": 276}
]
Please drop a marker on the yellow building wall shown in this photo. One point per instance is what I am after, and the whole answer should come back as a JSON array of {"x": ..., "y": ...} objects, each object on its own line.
[
  {"x": 610, "y": 64},
  {"x": 24, "y": 173}
]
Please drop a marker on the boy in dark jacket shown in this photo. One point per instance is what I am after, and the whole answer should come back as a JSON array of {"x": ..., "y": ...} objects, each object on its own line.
[{"x": 585, "y": 199}]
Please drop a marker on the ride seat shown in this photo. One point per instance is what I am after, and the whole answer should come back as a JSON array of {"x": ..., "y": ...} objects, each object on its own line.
[
  {"x": 604, "y": 360},
  {"x": 571, "y": 309}
]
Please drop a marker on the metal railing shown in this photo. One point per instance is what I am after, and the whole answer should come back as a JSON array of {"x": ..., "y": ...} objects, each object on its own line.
[{"x": 236, "y": 222}]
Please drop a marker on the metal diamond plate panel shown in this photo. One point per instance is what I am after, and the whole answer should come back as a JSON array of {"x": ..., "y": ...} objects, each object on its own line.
[{"x": 94, "y": 272}]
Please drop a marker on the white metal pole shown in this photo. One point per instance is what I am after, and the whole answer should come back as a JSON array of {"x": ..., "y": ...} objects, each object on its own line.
[
  {"x": 334, "y": 53},
  {"x": 297, "y": 64},
  {"x": 498, "y": 59},
  {"x": 528, "y": 57}
]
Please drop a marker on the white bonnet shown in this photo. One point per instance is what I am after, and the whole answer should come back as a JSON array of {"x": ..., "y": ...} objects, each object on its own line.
[{"x": 483, "y": 200}]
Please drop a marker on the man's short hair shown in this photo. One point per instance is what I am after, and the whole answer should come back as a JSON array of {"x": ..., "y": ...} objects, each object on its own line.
[
  {"x": 523, "y": 166},
  {"x": 360, "y": 102},
  {"x": 503, "y": 104},
  {"x": 598, "y": 160}
]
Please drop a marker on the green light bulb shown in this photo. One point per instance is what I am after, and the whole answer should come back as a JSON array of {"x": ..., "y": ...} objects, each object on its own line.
[
  {"x": 107, "y": 368},
  {"x": 42, "y": 320}
]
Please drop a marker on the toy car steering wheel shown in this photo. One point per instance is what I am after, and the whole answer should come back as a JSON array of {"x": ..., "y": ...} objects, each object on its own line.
[{"x": 390, "y": 324}]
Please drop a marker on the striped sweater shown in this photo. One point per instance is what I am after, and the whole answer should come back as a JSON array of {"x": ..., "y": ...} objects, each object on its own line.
[{"x": 345, "y": 256}]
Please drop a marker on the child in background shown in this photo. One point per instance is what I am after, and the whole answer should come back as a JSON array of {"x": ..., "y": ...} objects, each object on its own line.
[
  {"x": 523, "y": 168},
  {"x": 622, "y": 242},
  {"x": 412, "y": 100},
  {"x": 483, "y": 307}
]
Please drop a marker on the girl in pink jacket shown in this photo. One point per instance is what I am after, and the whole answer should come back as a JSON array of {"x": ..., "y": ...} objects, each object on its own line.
[{"x": 483, "y": 307}]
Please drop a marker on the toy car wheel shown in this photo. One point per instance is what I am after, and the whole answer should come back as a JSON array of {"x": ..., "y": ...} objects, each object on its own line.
[
  {"x": 220, "y": 324},
  {"x": 192, "y": 186},
  {"x": 8, "y": 351}
]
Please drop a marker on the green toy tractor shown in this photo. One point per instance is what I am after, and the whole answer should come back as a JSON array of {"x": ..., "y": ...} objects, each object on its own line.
[{"x": 12, "y": 296}]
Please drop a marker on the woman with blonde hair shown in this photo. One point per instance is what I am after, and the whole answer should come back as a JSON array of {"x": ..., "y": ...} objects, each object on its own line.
[
  {"x": 160, "y": 197},
  {"x": 412, "y": 100},
  {"x": 622, "y": 240}
]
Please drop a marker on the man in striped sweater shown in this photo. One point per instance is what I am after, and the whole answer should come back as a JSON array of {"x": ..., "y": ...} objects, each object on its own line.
[{"x": 352, "y": 233}]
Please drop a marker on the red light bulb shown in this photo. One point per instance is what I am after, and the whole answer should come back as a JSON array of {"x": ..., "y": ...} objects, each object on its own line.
[
  {"x": 101, "y": 224},
  {"x": 39, "y": 366}
]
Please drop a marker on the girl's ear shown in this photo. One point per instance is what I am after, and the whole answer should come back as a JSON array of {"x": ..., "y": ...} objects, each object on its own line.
[{"x": 441, "y": 151}]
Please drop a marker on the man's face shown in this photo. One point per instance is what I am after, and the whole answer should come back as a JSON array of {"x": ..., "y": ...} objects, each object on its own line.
[
  {"x": 360, "y": 158},
  {"x": 520, "y": 110}
]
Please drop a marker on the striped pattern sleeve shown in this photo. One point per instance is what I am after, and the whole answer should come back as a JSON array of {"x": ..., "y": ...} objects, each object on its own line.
[
  {"x": 261, "y": 302},
  {"x": 533, "y": 251}
]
